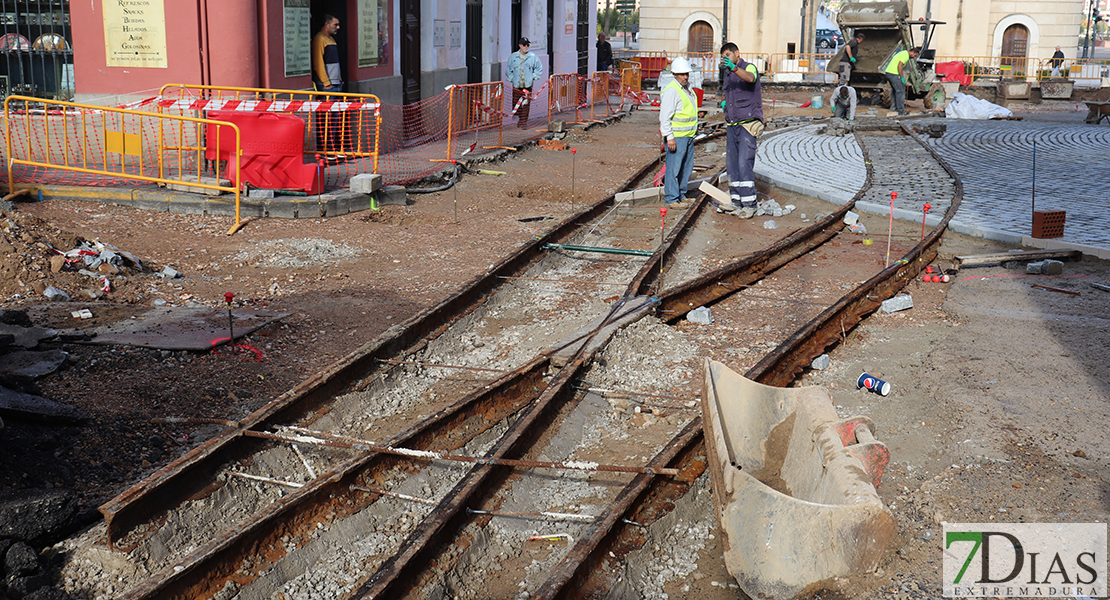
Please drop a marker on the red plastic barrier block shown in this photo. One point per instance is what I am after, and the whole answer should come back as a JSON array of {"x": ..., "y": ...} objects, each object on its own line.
[{"x": 273, "y": 150}]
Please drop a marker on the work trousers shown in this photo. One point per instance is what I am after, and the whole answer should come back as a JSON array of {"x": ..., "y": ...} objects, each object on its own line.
[
  {"x": 740, "y": 147},
  {"x": 845, "y": 72},
  {"x": 680, "y": 164},
  {"x": 840, "y": 111},
  {"x": 897, "y": 93},
  {"x": 525, "y": 106}
]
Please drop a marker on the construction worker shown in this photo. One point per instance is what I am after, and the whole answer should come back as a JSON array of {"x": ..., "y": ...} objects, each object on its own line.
[
  {"x": 848, "y": 59},
  {"x": 843, "y": 102},
  {"x": 678, "y": 122},
  {"x": 743, "y": 104},
  {"x": 896, "y": 74}
]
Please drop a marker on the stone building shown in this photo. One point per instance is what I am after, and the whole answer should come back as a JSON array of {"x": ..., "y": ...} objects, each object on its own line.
[{"x": 973, "y": 28}]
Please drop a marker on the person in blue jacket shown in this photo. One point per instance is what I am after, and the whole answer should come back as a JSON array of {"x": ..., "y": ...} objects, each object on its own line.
[{"x": 524, "y": 69}]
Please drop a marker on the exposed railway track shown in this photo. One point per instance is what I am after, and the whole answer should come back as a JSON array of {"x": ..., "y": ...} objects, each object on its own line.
[{"x": 311, "y": 490}]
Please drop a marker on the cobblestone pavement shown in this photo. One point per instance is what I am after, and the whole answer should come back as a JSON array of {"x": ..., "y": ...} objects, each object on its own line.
[
  {"x": 995, "y": 161},
  {"x": 832, "y": 168},
  {"x": 993, "y": 158}
]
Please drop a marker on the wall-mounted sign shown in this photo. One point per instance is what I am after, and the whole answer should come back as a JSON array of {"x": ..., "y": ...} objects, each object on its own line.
[
  {"x": 135, "y": 34},
  {"x": 368, "y": 33},
  {"x": 298, "y": 37}
]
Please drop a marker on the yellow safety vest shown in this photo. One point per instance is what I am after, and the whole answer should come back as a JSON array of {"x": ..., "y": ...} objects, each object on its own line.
[{"x": 684, "y": 123}]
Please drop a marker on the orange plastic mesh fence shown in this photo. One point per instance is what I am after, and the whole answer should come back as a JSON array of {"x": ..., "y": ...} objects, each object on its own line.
[
  {"x": 347, "y": 133},
  {"x": 77, "y": 144}
]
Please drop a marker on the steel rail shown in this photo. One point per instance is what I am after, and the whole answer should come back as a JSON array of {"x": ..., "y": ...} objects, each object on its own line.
[
  {"x": 188, "y": 476},
  {"x": 586, "y": 571}
]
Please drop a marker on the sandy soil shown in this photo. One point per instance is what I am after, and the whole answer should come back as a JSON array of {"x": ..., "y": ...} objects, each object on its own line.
[{"x": 999, "y": 395}]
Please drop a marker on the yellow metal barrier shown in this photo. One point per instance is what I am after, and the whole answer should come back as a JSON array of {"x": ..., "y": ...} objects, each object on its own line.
[
  {"x": 996, "y": 68},
  {"x": 114, "y": 143},
  {"x": 475, "y": 107},
  {"x": 343, "y": 125},
  {"x": 787, "y": 67}
]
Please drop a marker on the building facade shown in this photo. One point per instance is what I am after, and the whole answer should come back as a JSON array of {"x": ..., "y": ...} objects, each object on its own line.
[
  {"x": 400, "y": 50},
  {"x": 1031, "y": 28}
]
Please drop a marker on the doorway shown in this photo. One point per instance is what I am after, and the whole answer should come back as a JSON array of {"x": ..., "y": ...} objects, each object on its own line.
[
  {"x": 337, "y": 9},
  {"x": 474, "y": 41},
  {"x": 700, "y": 38},
  {"x": 1015, "y": 46},
  {"x": 584, "y": 37},
  {"x": 410, "y": 51}
]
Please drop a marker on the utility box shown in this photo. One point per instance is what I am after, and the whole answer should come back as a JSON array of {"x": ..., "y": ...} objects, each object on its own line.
[{"x": 1048, "y": 223}]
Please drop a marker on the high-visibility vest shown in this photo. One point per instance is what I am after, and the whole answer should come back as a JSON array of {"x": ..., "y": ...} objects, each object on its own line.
[{"x": 684, "y": 123}]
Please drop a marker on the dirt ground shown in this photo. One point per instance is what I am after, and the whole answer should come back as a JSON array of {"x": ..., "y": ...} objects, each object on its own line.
[{"x": 997, "y": 412}]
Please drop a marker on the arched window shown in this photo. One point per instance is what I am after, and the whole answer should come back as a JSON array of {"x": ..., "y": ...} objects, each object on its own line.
[{"x": 700, "y": 38}]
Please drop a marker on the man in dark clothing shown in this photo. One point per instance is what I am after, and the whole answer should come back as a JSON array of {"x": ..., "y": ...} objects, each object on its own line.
[
  {"x": 851, "y": 52},
  {"x": 743, "y": 104},
  {"x": 604, "y": 52},
  {"x": 1057, "y": 60}
]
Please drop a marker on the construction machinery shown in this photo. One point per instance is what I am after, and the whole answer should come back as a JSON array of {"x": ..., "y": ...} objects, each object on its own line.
[{"x": 887, "y": 30}]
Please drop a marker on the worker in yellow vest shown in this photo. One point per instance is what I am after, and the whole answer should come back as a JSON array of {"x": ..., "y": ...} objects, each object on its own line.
[{"x": 678, "y": 122}]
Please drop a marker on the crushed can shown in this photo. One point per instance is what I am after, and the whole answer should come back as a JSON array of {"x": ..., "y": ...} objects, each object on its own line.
[{"x": 873, "y": 384}]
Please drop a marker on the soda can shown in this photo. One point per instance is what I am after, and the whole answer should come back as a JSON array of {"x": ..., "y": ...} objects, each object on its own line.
[{"x": 873, "y": 384}]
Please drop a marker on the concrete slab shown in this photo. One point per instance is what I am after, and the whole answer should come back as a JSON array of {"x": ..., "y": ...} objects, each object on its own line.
[
  {"x": 27, "y": 337},
  {"x": 173, "y": 328},
  {"x": 32, "y": 365},
  {"x": 18, "y": 405}
]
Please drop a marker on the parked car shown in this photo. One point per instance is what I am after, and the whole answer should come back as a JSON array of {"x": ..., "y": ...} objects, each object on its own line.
[{"x": 829, "y": 38}]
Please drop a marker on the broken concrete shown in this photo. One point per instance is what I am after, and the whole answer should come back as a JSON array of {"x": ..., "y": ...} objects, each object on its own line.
[
  {"x": 897, "y": 303},
  {"x": 30, "y": 364},
  {"x": 172, "y": 328},
  {"x": 36, "y": 516},
  {"x": 27, "y": 337},
  {"x": 18, "y": 405}
]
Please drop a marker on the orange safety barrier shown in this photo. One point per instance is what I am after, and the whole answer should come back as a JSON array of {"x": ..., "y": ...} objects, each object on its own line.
[
  {"x": 631, "y": 84},
  {"x": 474, "y": 108},
  {"x": 339, "y": 127},
  {"x": 68, "y": 143},
  {"x": 601, "y": 91},
  {"x": 568, "y": 91}
]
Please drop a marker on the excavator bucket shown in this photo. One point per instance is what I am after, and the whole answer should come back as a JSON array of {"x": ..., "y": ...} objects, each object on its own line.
[{"x": 793, "y": 485}]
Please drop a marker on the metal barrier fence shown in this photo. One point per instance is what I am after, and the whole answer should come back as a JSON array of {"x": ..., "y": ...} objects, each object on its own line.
[
  {"x": 60, "y": 142},
  {"x": 475, "y": 107},
  {"x": 787, "y": 67},
  {"x": 566, "y": 92},
  {"x": 1028, "y": 69},
  {"x": 338, "y": 126}
]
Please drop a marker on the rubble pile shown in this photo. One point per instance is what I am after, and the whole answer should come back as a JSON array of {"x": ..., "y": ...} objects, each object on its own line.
[
  {"x": 837, "y": 127},
  {"x": 39, "y": 261}
]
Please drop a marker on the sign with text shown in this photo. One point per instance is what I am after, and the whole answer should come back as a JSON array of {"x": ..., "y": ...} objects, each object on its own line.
[
  {"x": 1024, "y": 559},
  {"x": 298, "y": 37},
  {"x": 368, "y": 15},
  {"x": 135, "y": 34}
]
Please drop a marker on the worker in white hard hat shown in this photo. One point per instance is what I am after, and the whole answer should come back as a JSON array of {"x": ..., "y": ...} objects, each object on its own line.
[{"x": 678, "y": 122}]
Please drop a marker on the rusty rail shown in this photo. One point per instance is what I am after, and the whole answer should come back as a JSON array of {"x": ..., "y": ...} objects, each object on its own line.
[{"x": 582, "y": 573}]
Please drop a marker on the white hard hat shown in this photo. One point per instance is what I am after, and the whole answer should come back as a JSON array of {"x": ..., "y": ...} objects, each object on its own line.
[{"x": 680, "y": 65}]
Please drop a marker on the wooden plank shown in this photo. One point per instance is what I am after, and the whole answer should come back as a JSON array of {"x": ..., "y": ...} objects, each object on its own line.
[{"x": 980, "y": 260}]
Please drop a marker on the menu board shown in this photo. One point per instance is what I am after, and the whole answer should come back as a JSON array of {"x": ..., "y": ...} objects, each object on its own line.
[
  {"x": 298, "y": 37},
  {"x": 135, "y": 34}
]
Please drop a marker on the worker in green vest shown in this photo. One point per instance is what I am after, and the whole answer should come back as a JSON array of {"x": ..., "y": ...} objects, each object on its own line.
[
  {"x": 678, "y": 121},
  {"x": 896, "y": 73}
]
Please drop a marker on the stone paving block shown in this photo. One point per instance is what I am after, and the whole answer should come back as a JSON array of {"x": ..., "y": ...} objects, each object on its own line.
[
  {"x": 185, "y": 187},
  {"x": 366, "y": 183},
  {"x": 897, "y": 303},
  {"x": 393, "y": 194}
]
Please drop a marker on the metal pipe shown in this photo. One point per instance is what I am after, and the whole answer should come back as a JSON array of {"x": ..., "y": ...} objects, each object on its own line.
[{"x": 596, "y": 249}]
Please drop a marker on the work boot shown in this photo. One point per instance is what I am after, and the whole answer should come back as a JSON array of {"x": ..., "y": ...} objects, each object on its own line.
[
  {"x": 727, "y": 207},
  {"x": 745, "y": 212},
  {"x": 679, "y": 205}
]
